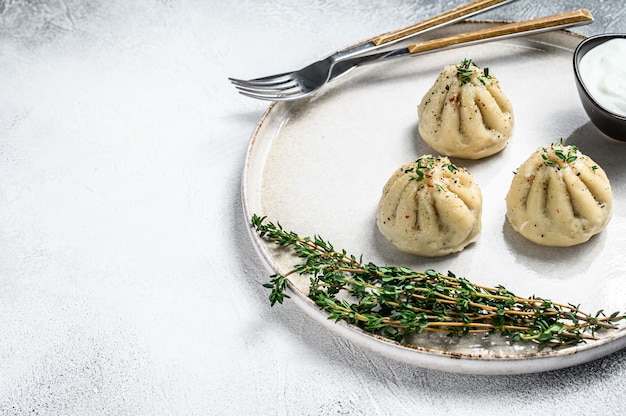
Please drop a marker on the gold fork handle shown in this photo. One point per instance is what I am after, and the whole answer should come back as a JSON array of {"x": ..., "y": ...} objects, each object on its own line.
[
  {"x": 451, "y": 15},
  {"x": 511, "y": 29}
]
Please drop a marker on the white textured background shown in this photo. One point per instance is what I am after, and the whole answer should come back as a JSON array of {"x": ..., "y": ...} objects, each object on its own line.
[{"x": 128, "y": 285}]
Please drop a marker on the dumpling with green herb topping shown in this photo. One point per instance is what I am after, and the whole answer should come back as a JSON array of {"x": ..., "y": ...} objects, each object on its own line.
[
  {"x": 430, "y": 207},
  {"x": 559, "y": 197},
  {"x": 465, "y": 113}
]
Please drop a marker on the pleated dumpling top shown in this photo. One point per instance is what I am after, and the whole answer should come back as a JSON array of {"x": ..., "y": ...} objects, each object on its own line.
[
  {"x": 430, "y": 207},
  {"x": 559, "y": 197},
  {"x": 465, "y": 114}
]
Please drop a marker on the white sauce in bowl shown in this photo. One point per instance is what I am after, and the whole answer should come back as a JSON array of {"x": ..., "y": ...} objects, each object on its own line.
[{"x": 603, "y": 71}]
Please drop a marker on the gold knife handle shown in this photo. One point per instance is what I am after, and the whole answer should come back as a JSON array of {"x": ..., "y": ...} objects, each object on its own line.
[
  {"x": 454, "y": 14},
  {"x": 572, "y": 18}
]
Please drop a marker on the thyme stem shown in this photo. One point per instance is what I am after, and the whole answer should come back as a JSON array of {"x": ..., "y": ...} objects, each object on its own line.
[{"x": 398, "y": 301}]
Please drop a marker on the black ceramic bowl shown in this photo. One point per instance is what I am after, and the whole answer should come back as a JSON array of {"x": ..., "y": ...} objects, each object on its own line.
[{"x": 611, "y": 124}]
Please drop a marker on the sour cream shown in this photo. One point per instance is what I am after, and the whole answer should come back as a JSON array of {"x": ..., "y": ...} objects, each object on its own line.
[{"x": 603, "y": 71}]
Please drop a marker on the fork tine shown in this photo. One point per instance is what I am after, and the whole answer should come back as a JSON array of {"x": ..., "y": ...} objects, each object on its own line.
[
  {"x": 274, "y": 96},
  {"x": 271, "y": 80},
  {"x": 259, "y": 97},
  {"x": 279, "y": 88}
]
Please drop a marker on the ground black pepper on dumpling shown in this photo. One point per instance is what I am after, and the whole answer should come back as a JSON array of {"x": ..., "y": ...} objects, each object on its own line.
[
  {"x": 465, "y": 113},
  {"x": 559, "y": 197},
  {"x": 430, "y": 207}
]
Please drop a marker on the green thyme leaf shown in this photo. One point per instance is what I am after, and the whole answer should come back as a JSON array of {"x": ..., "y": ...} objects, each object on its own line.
[{"x": 397, "y": 301}]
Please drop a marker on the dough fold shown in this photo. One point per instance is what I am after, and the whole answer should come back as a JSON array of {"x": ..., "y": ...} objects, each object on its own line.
[
  {"x": 430, "y": 207},
  {"x": 559, "y": 197},
  {"x": 465, "y": 114}
]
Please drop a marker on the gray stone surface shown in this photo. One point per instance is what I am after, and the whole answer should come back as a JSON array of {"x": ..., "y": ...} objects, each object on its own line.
[{"x": 128, "y": 285}]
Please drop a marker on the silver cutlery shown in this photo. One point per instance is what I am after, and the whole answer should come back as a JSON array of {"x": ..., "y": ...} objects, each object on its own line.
[
  {"x": 507, "y": 31},
  {"x": 305, "y": 81},
  {"x": 290, "y": 87}
]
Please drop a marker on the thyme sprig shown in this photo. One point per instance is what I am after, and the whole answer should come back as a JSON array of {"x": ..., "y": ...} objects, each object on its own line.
[
  {"x": 556, "y": 156},
  {"x": 464, "y": 72},
  {"x": 421, "y": 168},
  {"x": 397, "y": 301}
]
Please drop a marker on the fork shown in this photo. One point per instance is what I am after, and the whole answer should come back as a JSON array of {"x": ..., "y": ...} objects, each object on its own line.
[
  {"x": 558, "y": 21},
  {"x": 303, "y": 82}
]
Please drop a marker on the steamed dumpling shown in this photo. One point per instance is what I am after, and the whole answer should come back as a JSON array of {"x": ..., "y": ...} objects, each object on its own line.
[
  {"x": 430, "y": 207},
  {"x": 559, "y": 197},
  {"x": 465, "y": 113}
]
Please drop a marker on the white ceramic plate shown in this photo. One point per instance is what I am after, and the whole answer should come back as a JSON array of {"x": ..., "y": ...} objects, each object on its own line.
[{"x": 318, "y": 166}]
